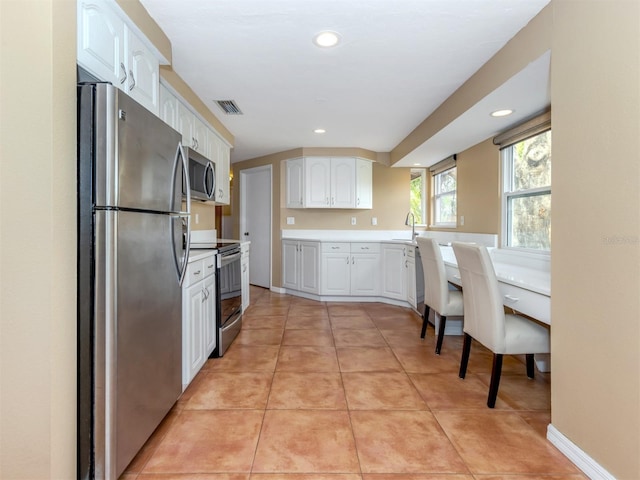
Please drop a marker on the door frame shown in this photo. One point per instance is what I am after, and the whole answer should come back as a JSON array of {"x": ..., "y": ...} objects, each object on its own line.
[{"x": 243, "y": 205}]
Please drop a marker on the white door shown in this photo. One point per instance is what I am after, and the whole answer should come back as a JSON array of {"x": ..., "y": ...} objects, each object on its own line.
[{"x": 255, "y": 222}]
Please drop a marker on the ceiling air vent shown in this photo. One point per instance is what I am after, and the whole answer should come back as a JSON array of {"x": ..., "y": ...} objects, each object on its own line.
[{"x": 229, "y": 107}]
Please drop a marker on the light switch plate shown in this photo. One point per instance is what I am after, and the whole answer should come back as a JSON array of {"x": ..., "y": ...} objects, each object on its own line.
[
  {"x": 374, "y": 220},
  {"x": 291, "y": 220},
  {"x": 353, "y": 220}
]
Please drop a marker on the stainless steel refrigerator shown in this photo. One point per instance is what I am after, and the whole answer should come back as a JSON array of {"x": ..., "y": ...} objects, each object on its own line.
[{"x": 132, "y": 254}]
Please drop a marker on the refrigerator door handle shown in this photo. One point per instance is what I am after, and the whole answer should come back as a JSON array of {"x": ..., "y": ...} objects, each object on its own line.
[{"x": 182, "y": 269}]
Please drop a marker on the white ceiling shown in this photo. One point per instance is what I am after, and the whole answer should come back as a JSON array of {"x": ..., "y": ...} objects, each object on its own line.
[{"x": 397, "y": 62}]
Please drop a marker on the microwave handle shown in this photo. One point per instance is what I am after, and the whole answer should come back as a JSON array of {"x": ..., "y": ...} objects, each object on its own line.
[{"x": 209, "y": 192}]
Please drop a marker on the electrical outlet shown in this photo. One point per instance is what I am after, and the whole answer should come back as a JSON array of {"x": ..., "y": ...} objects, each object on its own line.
[
  {"x": 353, "y": 220},
  {"x": 374, "y": 220},
  {"x": 291, "y": 220},
  {"x": 197, "y": 218},
  {"x": 461, "y": 219}
]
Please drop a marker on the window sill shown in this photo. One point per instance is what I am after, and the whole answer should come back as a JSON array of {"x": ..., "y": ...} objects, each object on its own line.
[{"x": 444, "y": 225}]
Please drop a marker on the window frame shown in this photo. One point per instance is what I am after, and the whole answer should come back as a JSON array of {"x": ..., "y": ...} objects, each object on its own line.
[
  {"x": 436, "y": 196},
  {"x": 425, "y": 194},
  {"x": 506, "y": 156}
]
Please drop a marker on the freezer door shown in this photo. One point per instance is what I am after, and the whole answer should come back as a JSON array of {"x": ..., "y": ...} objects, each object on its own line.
[
  {"x": 138, "y": 164},
  {"x": 142, "y": 330}
]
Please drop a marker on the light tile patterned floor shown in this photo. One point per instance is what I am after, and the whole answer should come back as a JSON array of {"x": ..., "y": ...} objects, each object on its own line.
[{"x": 349, "y": 391}]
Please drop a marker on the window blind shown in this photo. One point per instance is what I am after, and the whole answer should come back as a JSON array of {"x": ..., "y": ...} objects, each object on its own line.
[
  {"x": 443, "y": 165},
  {"x": 525, "y": 130}
]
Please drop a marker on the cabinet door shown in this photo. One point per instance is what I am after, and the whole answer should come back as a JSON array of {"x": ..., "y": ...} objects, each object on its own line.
[
  {"x": 101, "y": 41},
  {"x": 317, "y": 182},
  {"x": 294, "y": 183},
  {"x": 365, "y": 274},
  {"x": 200, "y": 140},
  {"x": 309, "y": 267},
  {"x": 411, "y": 281},
  {"x": 290, "y": 266},
  {"x": 186, "y": 125},
  {"x": 143, "y": 73},
  {"x": 394, "y": 274},
  {"x": 245, "y": 282},
  {"x": 364, "y": 183},
  {"x": 209, "y": 314},
  {"x": 168, "y": 107},
  {"x": 343, "y": 183},
  {"x": 192, "y": 345},
  {"x": 223, "y": 168},
  {"x": 335, "y": 274}
]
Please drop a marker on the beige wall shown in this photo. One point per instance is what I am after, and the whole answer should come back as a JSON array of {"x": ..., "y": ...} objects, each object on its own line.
[
  {"x": 595, "y": 337},
  {"x": 37, "y": 239},
  {"x": 478, "y": 195}
]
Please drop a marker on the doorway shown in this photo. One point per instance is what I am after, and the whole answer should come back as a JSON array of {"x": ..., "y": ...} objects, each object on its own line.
[{"x": 256, "y": 221}]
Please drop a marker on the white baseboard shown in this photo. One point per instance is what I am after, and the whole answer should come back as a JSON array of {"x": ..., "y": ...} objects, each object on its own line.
[
  {"x": 278, "y": 290},
  {"x": 584, "y": 462}
]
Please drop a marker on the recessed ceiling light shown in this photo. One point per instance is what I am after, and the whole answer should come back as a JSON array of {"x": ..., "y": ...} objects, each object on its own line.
[
  {"x": 327, "y": 39},
  {"x": 417, "y": 164},
  {"x": 501, "y": 113},
  {"x": 319, "y": 130}
]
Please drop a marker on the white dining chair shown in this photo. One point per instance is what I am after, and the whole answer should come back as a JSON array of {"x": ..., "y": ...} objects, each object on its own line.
[
  {"x": 437, "y": 296},
  {"x": 486, "y": 321}
]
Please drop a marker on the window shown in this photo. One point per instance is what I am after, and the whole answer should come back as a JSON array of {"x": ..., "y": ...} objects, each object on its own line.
[
  {"x": 418, "y": 197},
  {"x": 444, "y": 197},
  {"x": 526, "y": 201}
]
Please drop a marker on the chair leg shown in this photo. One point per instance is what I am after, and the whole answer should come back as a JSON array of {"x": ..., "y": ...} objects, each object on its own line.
[
  {"x": 466, "y": 348},
  {"x": 443, "y": 322},
  {"x": 495, "y": 379},
  {"x": 425, "y": 320},
  {"x": 530, "y": 367}
]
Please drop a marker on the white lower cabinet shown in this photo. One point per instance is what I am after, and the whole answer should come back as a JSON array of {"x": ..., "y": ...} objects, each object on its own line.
[
  {"x": 335, "y": 271},
  {"x": 394, "y": 275},
  {"x": 244, "y": 260},
  {"x": 410, "y": 269},
  {"x": 198, "y": 317},
  {"x": 300, "y": 262},
  {"x": 350, "y": 269}
]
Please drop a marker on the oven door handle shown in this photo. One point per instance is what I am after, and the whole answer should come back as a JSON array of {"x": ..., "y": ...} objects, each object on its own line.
[{"x": 227, "y": 259}]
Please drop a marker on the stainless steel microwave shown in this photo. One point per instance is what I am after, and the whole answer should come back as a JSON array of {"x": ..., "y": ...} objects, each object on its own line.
[{"x": 202, "y": 176}]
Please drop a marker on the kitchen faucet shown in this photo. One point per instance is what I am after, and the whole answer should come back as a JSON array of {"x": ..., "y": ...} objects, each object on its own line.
[{"x": 413, "y": 225}]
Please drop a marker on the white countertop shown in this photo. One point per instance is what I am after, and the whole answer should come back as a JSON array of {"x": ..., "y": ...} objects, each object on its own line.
[{"x": 523, "y": 276}]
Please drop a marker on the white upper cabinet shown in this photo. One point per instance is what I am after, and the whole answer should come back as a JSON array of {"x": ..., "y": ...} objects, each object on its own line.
[
  {"x": 221, "y": 156},
  {"x": 343, "y": 182},
  {"x": 364, "y": 183},
  {"x": 328, "y": 182},
  {"x": 169, "y": 107},
  {"x": 317, "y": 182},
  {"x": 294, "y": 178},
  {"x": 108, "y": 49},
  {"x": 143, "y": 72},
  {"x": 101, "y": 41}
]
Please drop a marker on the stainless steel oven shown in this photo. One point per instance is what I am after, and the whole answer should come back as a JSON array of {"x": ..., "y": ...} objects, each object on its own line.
[{"x": 229, "y": 295}]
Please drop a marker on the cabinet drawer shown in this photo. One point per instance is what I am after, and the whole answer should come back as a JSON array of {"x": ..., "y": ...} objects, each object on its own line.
[
  {"x": 209, "y": 265},
  {"x": 195, "y": 273},
  {"x": 336, "y": 248},
  {"x": 365, "y": 247}
]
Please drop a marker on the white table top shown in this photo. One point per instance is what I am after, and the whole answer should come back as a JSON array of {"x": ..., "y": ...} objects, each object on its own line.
[{"x": 536, "y": 280}]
